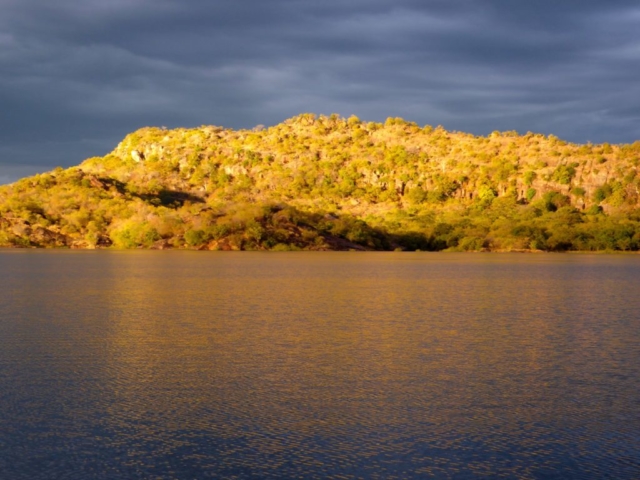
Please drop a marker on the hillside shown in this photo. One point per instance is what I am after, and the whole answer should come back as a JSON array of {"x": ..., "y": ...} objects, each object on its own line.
[{"x": 324, "y": 183}]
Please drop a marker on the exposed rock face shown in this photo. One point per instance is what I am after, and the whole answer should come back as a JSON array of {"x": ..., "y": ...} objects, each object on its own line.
[
  {"x": 137, "y": 155},
  {"x": 95, "y": 182}
]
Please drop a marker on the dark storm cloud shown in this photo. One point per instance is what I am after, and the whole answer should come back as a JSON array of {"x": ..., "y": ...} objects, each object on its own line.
[{"x": 77, "y": 75}]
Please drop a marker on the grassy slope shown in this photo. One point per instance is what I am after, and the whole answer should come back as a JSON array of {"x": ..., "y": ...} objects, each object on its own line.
[{"x": 334, "y": 183}]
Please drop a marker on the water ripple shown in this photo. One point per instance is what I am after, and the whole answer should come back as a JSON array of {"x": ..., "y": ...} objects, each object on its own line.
[{"x": 183, "y": 365}]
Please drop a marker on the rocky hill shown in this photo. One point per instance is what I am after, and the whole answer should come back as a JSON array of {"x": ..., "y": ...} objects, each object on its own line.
[{"x": 333, "y": 183}]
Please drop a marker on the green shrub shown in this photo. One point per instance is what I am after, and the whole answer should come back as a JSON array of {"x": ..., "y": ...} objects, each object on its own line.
[
  {"x": 194, "y": 238},
  {"x": 131, "y": 234},
  {"x": 563, "y": 174}
]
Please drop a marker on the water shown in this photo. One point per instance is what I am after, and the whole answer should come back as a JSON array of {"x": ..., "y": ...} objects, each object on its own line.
[{"x": 189, "y": 365}]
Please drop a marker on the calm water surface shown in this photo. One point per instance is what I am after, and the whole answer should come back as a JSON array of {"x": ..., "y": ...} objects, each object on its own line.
[{"x": 188, "y": 365}]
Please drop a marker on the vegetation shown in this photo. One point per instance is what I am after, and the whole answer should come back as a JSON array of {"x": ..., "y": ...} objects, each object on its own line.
[{"x": 325, "y": 183}]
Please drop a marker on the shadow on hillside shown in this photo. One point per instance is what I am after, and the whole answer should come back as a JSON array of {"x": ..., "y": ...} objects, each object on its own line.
[
  {"x": 166, "y": 198},
  {"x": 170, "y": 198}
]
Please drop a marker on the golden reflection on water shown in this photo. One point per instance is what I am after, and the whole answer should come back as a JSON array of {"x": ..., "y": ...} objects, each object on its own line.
[{"x": 374, "y": 365}]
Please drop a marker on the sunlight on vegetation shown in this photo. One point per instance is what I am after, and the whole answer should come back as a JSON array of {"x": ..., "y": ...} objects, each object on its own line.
[{"x": 326, "y": 183}]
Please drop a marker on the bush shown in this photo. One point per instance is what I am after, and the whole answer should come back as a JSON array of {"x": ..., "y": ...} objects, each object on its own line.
[
  {"x": 601, "y": 193},
  {"x": 194, "y": 238},
  {"x": 529, "y": 177},
  {"x": 131, "y": 234},
  {"x": 564, "y": 174},
  {"x": 578, "y": 192}
]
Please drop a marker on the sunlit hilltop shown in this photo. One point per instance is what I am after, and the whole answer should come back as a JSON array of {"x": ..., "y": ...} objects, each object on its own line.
[{"x": 327, "y": 182}]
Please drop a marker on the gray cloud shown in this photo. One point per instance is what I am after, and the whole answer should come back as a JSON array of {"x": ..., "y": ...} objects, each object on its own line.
[{"x": 77, "y": 75}]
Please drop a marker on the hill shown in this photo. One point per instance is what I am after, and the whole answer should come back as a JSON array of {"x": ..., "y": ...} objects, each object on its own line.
[{"x": 325, "y": 183}]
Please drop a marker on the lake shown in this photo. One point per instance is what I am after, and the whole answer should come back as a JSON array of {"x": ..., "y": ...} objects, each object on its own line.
[{"x": 189, "y": 365}]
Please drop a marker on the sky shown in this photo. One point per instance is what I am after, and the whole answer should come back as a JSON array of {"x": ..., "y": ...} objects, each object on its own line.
[{"x": 77, "y": 75}]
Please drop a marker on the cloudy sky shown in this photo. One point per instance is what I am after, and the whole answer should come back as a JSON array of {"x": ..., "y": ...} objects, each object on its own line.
[{"x": 77, "y": 75}]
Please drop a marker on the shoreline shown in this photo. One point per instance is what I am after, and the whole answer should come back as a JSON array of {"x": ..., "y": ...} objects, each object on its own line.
[{"x": 191, "y": 249}]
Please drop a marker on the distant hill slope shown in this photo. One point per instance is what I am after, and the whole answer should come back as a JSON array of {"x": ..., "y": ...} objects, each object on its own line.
[{"x": 333, "y": 183}]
